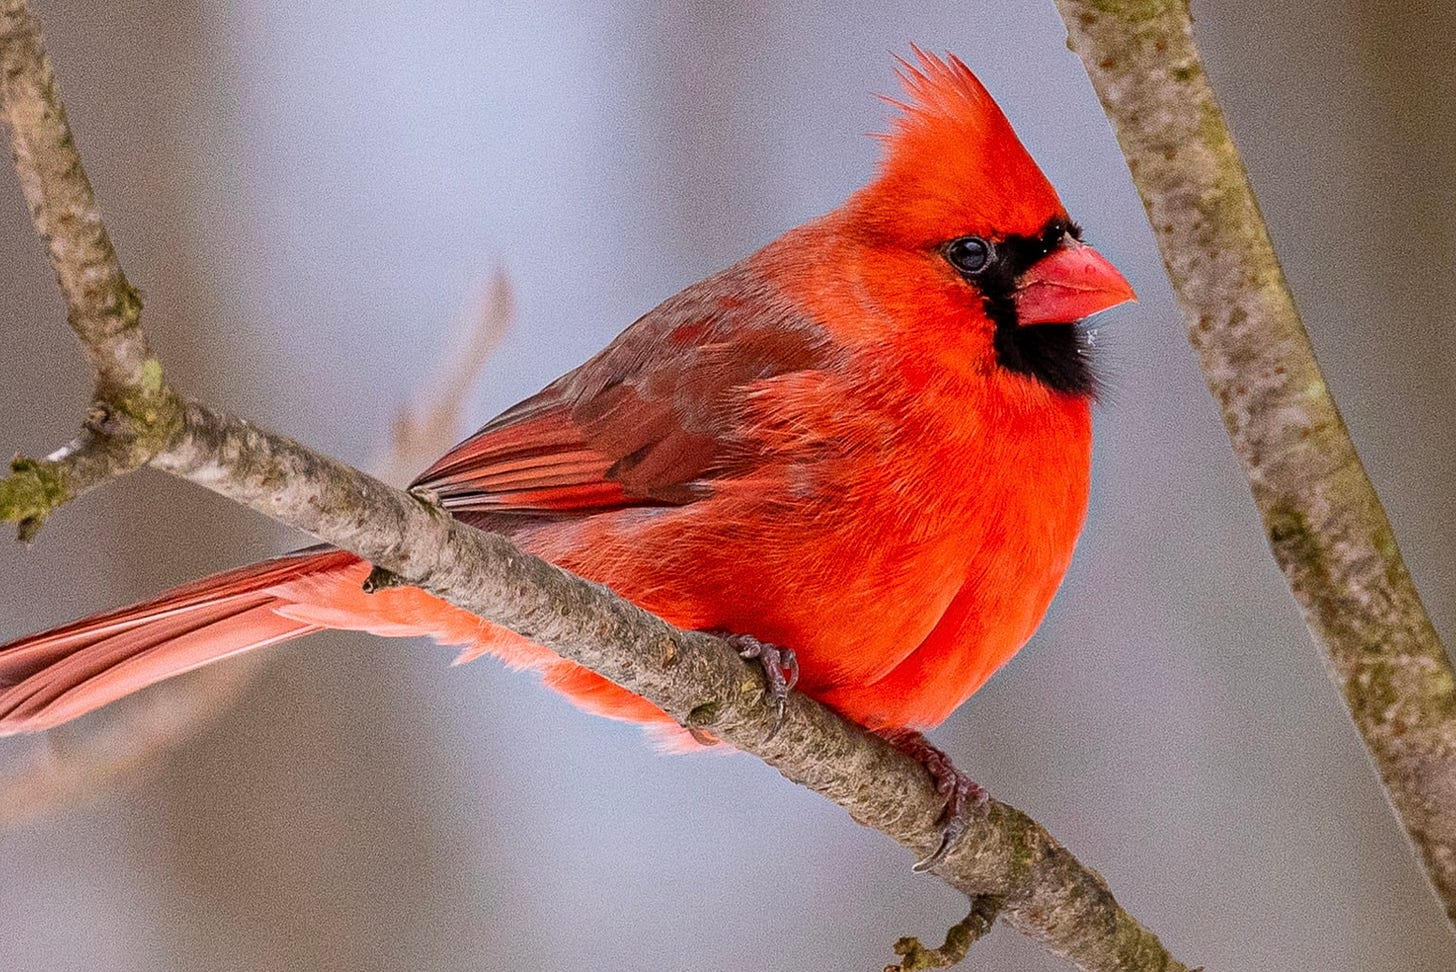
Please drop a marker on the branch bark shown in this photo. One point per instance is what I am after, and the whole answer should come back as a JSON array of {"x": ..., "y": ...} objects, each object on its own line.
[
  {"x": 1046, "y": 893},
  {"x": 1325, "y": 524}
]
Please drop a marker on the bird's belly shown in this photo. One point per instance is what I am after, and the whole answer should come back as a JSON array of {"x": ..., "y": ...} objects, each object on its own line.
[
  {"x": 979, "y": 631},
  {"x": 851, "y": 608},
  {"x": 845, "y": 603},
  {"x": 896, "y": 619}
]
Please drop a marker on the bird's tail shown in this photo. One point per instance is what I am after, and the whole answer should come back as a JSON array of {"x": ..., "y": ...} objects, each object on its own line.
[
  {"x": 52, "y": 677},
  {"x": 55, "y": 676}
]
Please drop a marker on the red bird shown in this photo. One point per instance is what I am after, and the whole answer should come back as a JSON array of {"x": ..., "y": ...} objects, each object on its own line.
[{"x": 868, "y": 442}]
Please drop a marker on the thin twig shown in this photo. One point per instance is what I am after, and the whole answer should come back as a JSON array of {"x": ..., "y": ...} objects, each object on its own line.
[
  {"x": 915, "y": 957},
  {"x": 423, "y": 430},
  {"x": 1325, "y": 524},
  {"x": 82, "y": 762},
  {"x": 37, "y": 486},
  {"x": 692, "y": 676}
]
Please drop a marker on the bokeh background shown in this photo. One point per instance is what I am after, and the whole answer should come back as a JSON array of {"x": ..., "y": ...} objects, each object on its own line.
[{"x": 313, "y": 195}]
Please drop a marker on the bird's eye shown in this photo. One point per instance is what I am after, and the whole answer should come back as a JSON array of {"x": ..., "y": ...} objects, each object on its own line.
[{"x": 969, "y": 254}]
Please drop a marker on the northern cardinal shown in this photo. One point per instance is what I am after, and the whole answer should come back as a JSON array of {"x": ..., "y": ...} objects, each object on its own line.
[{"x": 869, "y": 443}]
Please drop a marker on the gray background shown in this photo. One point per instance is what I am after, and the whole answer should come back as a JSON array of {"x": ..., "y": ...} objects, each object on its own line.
[{"x": 312, "y": 195}]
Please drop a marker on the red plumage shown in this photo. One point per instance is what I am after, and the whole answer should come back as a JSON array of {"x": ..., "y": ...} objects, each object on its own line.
[{"x": 848, "y": 444}]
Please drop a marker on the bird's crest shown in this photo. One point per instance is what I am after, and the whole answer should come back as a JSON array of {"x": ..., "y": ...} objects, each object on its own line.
[{"x": 952, "y": 162}]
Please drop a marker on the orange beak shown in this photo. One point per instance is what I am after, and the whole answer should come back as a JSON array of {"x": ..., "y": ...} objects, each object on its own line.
[{"x": 1068, "y": 284}]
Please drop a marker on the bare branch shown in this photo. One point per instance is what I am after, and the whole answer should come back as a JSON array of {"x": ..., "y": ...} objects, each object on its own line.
[
  {"x": 104, "y": 309},
  {"x": 915, "y": 957},
  {"x": 1325, "y": 524},
  {"x": 694, "y": 677}
]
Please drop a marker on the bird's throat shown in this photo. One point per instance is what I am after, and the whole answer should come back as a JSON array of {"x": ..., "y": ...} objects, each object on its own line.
[{"x": 1057, "y": 355}]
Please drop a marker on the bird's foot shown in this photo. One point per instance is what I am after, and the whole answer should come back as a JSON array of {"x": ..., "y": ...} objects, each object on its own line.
[
  {"x": 955, "y": 787},
  {"x": 780, "y": 670}
]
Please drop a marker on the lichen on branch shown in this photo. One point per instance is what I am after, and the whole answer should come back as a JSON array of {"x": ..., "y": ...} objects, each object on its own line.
[{"x": 29, "y": 494}]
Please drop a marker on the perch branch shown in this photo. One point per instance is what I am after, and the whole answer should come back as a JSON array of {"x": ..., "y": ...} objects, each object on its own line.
[
  {"x": 1325, "y": 524},
  {"x": 694, "y": 677}
]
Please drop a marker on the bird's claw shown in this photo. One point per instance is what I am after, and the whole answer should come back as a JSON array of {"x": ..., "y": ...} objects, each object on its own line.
[
  {"x": 956, "y": 788},
  {"x": 780, "y": 672}
]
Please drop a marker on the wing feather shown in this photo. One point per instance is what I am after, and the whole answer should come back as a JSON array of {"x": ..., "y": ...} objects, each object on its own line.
[{"x": 649, "y": 421}]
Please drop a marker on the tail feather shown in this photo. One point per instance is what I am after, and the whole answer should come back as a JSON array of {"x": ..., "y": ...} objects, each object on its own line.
[{"x": 52, "y": 677}]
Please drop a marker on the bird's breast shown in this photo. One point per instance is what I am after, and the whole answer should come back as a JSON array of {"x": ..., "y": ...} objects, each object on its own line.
[{"x": 864, "y": 531}]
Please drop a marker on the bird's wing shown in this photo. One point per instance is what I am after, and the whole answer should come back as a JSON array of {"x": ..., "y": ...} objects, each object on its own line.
[{"x": 649, "y": 421}]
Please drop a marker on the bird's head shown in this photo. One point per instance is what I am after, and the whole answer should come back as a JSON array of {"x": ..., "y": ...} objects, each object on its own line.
[{"x": 962, "y": 226}]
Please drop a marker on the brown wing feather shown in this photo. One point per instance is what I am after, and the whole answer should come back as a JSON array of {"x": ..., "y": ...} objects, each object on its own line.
[{"x": 649, "y": 421}]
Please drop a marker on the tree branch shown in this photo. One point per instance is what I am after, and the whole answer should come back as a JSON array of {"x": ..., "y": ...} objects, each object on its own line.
[
  {"x": 1325, "y": 524},
  {"x": 135, "y": 411},
  {"x": 915, "y": 957},
  {"x": 696, "y": 678}
]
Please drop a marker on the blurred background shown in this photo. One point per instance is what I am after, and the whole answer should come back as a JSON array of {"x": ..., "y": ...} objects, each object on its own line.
[{"x": 313, "y": 196}]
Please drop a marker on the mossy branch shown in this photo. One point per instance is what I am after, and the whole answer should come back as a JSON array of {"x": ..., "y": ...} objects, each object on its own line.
[
  {"x": 29, "y": 493},
  {"x": 1325, "y": 524},
  {"x": 134, "y": 411}
]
